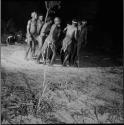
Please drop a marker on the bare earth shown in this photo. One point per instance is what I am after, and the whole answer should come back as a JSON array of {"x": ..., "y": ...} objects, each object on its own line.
[{"x": 90, "y": 94}]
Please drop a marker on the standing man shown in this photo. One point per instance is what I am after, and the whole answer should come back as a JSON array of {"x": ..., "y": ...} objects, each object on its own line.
[
  {"x": 69, "y": 44},
  {"x": 40, "y": 23},
  {"x": 82, "y": 37},
  {"x": 31, "y": 34},
  {"x": 53, "y": 38},
  {"x": 43, "y": 34}
]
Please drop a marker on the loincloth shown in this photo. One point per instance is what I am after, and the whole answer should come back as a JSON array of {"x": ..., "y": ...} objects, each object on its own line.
[
  {"x": 31, "y": 37},
  {"x": 66, "y": 43},
  {"x": 45, "y": 46}
]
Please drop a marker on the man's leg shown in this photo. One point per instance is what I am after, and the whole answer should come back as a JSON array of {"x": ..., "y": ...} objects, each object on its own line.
[
  {"x": 66, "y": 58},
  {"x": 39, "y": 54},
  {"x": 32, "y": 49},
  {"x": 39, "y": 57},
  {"x": 7, "y": 41},
  {"x": 43, "y": 56},
  {"x": 78, "y": 54},
  {"x": 54, "y": 53},
  {"x": 69, "y": 59},
  {"x": 47, "y": 52},
  {"x": 74, "y": 53},
  {"x": 40, "y": 43},
  {"x": 28, "y": 49},
  {"x": 34, "y": 44},
  {"x": 70, "y": 53},
  {"x": 62, "y": 54}
]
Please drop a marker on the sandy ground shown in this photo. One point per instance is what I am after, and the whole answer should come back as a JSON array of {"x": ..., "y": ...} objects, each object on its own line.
[{"x": 89, "y": 94}]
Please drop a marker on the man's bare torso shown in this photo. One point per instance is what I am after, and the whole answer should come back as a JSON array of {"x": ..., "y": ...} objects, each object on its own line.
[
  {"x": 71, "y": 30},
  {"x": 33, "y": 26},
  {"x": 39, "y": 26}
]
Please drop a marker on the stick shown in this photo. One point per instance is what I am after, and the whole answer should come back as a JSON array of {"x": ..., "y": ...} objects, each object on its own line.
[{"x": 44, "y": 88}]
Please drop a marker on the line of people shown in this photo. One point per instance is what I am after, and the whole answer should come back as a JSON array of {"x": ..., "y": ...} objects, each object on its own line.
[{"x": 43, "y": 40}]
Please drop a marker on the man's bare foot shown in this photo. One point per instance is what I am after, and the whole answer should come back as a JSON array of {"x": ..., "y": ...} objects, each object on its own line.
[
  {"x": 48, "y": 61},
  {"x": 44, "y": 63},
  {"x": 37, "y": 61},
  {"x": 50, "y": 64},
  {"x": 26, "y": 59},
  {"x": 64, "y": 65}
]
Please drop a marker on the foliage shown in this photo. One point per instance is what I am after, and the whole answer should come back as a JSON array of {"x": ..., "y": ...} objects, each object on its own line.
[
  {"x": 51, "y": 7},
  {"x": 52, "y": 4}
]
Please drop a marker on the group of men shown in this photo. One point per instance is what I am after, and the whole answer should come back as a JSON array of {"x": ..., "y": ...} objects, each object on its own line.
[{"x": 43, "y": 39}]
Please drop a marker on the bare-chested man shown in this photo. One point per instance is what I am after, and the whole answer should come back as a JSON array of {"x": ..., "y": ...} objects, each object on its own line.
[
  {"x": 40, "y": 23},
  {"x": 53, "y": 38},
  {"x": 82, "y": 37},
  {"x": 31, "y": 34},
  {"x": 69, "y": 42},
  {"x": 43, "y": 34}
]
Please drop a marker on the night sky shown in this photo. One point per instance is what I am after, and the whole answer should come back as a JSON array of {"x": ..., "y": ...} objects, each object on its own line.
[{"x": 105, "y": 15}]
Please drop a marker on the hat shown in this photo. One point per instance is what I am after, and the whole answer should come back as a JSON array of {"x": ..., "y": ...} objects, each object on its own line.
[
  {"x": 84, "y": 21},
  {"x": 40, "y": 15},
  {"x": 74, "y": 21}
]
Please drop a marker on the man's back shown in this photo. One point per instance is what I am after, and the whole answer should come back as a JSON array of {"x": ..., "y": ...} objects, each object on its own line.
[
  {"x": 54, "y": 32},
  {"x": 82, "y": 34},
  {"x": 71, "y": 30},
  {"x": 46, "y": 28}
]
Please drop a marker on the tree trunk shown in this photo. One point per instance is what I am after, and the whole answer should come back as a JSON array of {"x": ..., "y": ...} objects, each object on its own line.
[{"x": 47, "y": 13}]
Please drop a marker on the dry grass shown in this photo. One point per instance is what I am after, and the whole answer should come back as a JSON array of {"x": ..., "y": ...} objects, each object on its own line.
[
  {"x": 52, "y": 104},
  {"x": 60, "y": 95}
]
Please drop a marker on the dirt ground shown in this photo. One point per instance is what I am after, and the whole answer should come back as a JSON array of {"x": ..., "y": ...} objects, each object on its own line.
[{"x": 92, "y": 93}]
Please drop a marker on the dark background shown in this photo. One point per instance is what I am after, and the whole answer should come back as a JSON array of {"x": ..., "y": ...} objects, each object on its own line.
[{"x": 105, "y": 19}]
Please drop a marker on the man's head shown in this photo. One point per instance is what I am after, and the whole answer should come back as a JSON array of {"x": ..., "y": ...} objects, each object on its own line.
[
  {"x": 49, "y": 20},
  {"x": 57, "y": 21},
  {"x": 34, "y": 15},
  {"x": 40, "y": 17},
  {"x": 74, "y": 22},
  {"x": 79, "y": 23},
  {"x": 84, "y": 22},
  {"x": 68, "y": 22}
]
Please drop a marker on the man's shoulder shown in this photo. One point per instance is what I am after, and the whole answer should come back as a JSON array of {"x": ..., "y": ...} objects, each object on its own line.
[
  {"x": 72, "y": 27},
  {"x": 45, "y": 25},
  {"x": 53, "y": 26},
  {"x": 69, "y": 26},
  {"x": 39, "y": 21},
  {"x": 29, "y": 21}
]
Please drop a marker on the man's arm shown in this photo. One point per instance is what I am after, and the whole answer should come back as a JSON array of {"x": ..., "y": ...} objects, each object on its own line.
[
  {"x": 28, "y": 27},
  {"x": 85, "y": 36},
  {"x": 52, "y": 31},
  {"x": 42, "y": 24},
  {"x": 65, "y": 29},
  {"x": 75, "y": 33}
]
